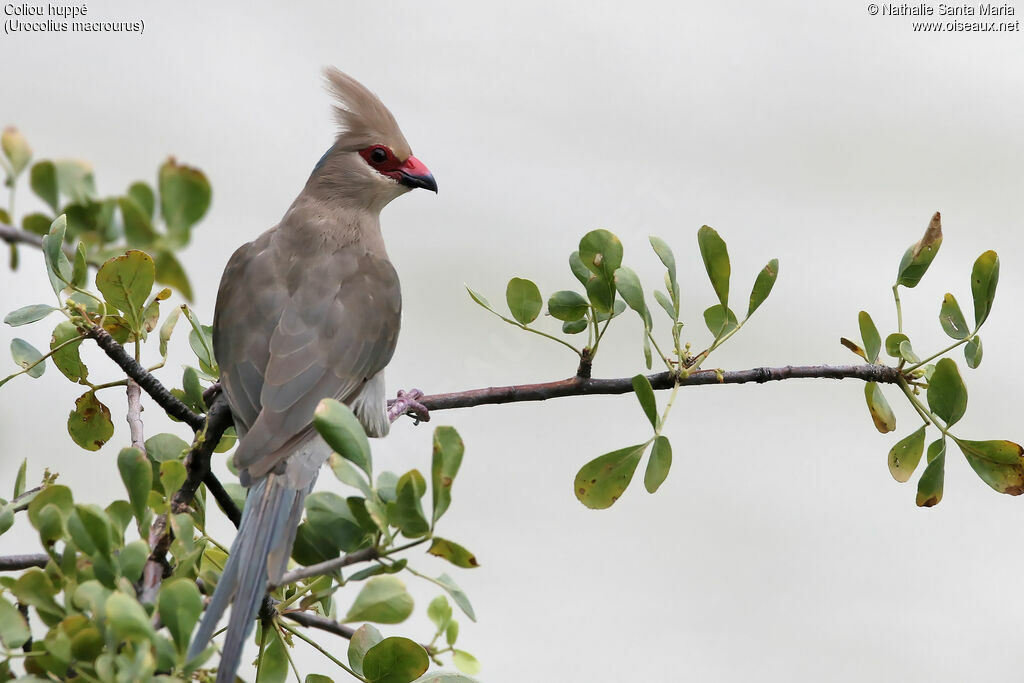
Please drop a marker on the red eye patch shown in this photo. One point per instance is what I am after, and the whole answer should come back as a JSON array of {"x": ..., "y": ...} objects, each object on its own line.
[{"x": 381, "y": 159}]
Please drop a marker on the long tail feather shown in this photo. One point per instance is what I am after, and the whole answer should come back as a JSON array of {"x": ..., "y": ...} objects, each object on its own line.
[{"x": 272, "y": 511}]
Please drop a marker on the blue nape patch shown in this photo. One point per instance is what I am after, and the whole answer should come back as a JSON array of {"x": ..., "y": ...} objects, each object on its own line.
[{"x": 323, "y": 160}]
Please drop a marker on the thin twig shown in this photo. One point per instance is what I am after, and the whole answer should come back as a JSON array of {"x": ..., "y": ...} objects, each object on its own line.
[
  {"x": 323, "y": 623},
  {"x": 152, "y": 386},
  {"x": 583, "y": 386},
  {"x": 329, "y": 566},
  {"x": 134, "y": 416},
  {"x": 13, "y": 563},
  {"x": 197, "y": 464}
]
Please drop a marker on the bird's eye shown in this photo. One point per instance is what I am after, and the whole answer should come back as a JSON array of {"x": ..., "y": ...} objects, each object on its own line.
[{"x": 379, "y": 155}]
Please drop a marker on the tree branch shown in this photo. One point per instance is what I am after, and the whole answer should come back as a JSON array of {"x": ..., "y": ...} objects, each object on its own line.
[
  {"x": 323, "y": 623},
  {"x": 13, "y": 563},
  {"x": 583, "y": 386},
  {"x": 134, "y": 416},
  {"x": 329, "y": 566},
  {"x": 157, "y": 391},
  {"x": 197, "y": 463}
]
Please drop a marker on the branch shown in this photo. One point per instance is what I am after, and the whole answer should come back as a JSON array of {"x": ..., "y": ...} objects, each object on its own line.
[
  {"x": 323, "y": 623},
  {"x": 583, "y": 386},
  {"x": 197, "y": 463},
  {"x": 329, "y": 566},
  {"x": 13, "y": 235},
  {"x": 13, "y": 563},
  {"x": 157, "y": 391},
  {"x": 134, "y": 417}
]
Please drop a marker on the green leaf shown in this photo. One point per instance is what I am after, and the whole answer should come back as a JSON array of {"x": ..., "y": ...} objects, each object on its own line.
[
  {"x": 138, "y": 230},
  {"x": 952, "y": 318},
  {"x": 58, "y": 267},
  {"x": 664, "y": 253},
  {"x": 601, "y": 481},
  {"x": 89, "y": 528},
  {"x": 179, "y": 606},
  {"x": 904, "y": 456},
  {"x": 6, "y": 517},
  {"x": 929, "y": 486},
  {"x": 720, "y": 320},
  {"x": 75, "y": 180},
  {"x": 666, "y": 304},
  {"x": 127, "y": 617},
  {"x": 892, "y": 344},
  {"x": 451, "y": 632},
  {"x": 273, "y": 665},
  {"x": 601, "y": 294},
  {"x": 68, "y": 359},
  {"x": 645, "y": 395},
  {"x": 125, "y": 282},
  {"x": 19, "y": 479},
  {"x": 869, "y": 333},
  {"x": 35, "y": 588},
  {"x": 947, "y": 395},
  {"x": 137, "y": 475},
  {"x": 164, "y": 447},
  {"x": 330, "y": 528},
  {"x": 27, "y": 356},
  {"x": 80, "y": 269},
  {"x": 973, "y": 352},
  {"x": 1000, "y": 464},
  {"x": 881, "y": 413},
  {"x": 984, "y": 278},
  {"x": 716, "y": 262},
  {"x": 13, "y": 628},
  {"x": 36, "y": 223},
  {"x": 445, "y": 462},
  {"x": 446, "y": 582},
  {"x": 395, "y": 660},
  {"x": 89, "y": 423},
  {"x": 907, "y": 352},
  {"x": 567, "y": 306},
  {"x": 28, "y": 314},
  {"x": 169, "y": 271},
  {"x": 453, "y": 552},
  {"x": 444, "y": 677},
  {"x": 480, "y": 299},
  {"x": 524, "y": 300},
  {"x": 172, "y": 475},
  {"x": 347, "y": 473},
  {"x": 55, "y": 495},
  {"x": 43, "y": 181},
  {"x": 184, "y": 199},
  {"x": 365, "y": 637},
  {"x": 344, "y": 433},
  {"x": 167, "y": 329},
  {"x": 628, "y": 285},
  {"x": 383, "y": 600},
  {"x": 601, "y": 253},
  {"x": 575, "y": 327},
  {"x": 16, "y": 149},
  {"x": 763, "y": 285},
  {"x": 658, "y": 464},
  {"x": 144, "y": 196},
  {"x": 465, "y": 662},
  {"x": 440, "y": 612},
  {"x": 132, "y": 559},
  {"x": 920, "y": 255},
  {"x": 406, "y": 512},
  {"x": 578, "y": 268}
]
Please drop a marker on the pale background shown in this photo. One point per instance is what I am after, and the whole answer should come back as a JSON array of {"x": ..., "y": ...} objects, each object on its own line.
[{"x": 779, "y": 548}]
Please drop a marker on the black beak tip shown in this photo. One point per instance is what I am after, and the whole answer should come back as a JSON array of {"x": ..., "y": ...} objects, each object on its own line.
[{"x": 427, "y": 181}]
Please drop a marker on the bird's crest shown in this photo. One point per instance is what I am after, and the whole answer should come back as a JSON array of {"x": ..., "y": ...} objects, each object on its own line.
[{"x": 362, "y": 117}]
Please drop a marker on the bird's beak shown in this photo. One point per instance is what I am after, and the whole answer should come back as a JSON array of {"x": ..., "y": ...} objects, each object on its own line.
[{"x": 414, "y": 173}]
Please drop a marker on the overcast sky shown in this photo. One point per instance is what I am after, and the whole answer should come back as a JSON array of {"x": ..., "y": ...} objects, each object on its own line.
[{"x": 779, "y": 548}]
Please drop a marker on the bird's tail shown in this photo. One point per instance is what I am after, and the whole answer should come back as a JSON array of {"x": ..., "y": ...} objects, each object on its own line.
[{"x": 260, "y": 552}]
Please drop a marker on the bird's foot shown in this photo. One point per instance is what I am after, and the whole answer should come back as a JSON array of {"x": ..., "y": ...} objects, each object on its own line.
[
  {"x": 408, "y": 403},
  {"x": 211, "y": 393}
]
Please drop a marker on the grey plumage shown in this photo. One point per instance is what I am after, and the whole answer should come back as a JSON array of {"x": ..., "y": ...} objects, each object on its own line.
[{"x": 308, "y": 310}]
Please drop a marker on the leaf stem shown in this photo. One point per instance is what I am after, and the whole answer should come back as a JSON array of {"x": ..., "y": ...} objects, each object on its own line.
[
  {"x": 940, "y": 353},
  {"x": 899, "y": 308},
  {"x": 324, "y": 652}
]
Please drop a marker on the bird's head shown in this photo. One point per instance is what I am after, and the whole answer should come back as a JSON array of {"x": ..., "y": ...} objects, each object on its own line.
[{"x": 370, "y": 162}]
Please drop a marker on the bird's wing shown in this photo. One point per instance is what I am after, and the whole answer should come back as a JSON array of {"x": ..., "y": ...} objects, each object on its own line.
[{"x": 324, "y": 323}]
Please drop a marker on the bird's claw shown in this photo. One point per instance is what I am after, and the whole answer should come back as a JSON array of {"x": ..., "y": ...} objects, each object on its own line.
[{"x": 407, "y": 403}]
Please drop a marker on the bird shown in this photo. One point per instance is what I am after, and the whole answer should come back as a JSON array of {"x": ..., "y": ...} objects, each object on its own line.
[{"x": 310, "y": 309}]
